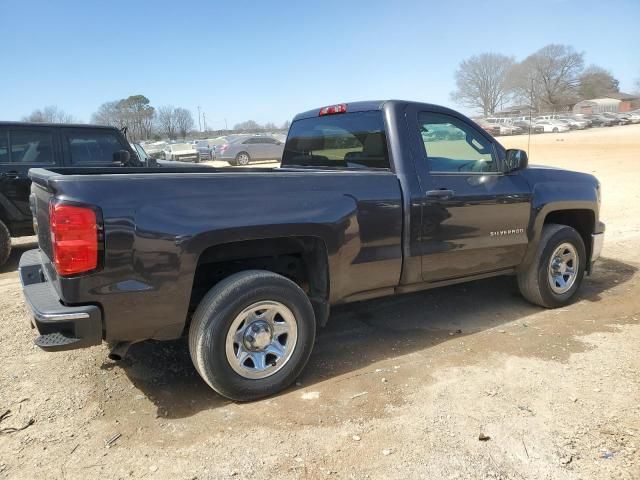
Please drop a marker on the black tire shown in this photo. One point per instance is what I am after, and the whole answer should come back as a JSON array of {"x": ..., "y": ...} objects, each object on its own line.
[
  {"x": 555, "y": 130},
  {"x": 5, "y": 244},
  {"x": 533, "y": 280},
  {"x": 243, "y": 158},
  {"x": 214, "y": 317}
]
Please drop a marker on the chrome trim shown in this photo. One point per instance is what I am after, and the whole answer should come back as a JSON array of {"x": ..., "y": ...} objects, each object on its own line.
[
  {"x": 597, "y": 241},
  {"x": 57, "y": 317}
]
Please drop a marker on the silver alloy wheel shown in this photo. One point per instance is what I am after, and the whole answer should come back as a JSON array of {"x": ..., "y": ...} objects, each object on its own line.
[
  {"x": 563, "y": 268},
  {"x": 261, "y": 339},
  {"x": 243, "y": 159}
]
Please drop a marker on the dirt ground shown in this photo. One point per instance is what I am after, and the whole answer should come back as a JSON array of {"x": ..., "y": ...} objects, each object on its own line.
[{"x": 396, "y": 388}]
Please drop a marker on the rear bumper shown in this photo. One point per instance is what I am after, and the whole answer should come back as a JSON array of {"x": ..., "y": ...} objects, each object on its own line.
[{"x": 61, "y": 327}]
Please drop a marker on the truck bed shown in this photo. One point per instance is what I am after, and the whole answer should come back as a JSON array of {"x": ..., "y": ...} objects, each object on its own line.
[{"x": 161, "y": 224}]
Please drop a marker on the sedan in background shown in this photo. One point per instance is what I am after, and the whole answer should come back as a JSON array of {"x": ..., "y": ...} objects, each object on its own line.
[
  {"x": 246, "y": 149},
  {"x": 574, "y": 124},
  {"x": 526, "y": 124},
  {"x": 552, "y": 126}
]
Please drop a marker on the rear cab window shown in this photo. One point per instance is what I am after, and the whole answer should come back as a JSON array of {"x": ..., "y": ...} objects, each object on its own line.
[{"x": 354, "y": 140}]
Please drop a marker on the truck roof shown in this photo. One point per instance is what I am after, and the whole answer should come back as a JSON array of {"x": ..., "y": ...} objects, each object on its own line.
[
  {"x": 53, "y": 125},
  {"x": 368, "y": 105}
]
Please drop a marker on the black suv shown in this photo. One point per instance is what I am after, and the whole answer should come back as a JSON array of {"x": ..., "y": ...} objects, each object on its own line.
[{"x": 28, "y": 145}]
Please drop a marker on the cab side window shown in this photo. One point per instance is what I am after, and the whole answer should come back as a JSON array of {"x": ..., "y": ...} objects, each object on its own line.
[
  {"x": 93, "y": 147},
  {"x": 29, "y": 147},
  {"x": 453, "y": 146}
]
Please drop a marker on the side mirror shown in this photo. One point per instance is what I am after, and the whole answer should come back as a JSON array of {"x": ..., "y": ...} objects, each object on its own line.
[
  {"x": 516, "y": 160},
  {"x": 122, "y": 157}
]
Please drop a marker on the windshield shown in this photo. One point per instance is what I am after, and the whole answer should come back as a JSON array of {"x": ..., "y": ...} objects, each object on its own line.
[{"x": 351, "y": 140}]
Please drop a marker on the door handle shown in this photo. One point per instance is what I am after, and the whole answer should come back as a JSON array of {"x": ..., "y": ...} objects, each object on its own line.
[{"x": 441, "y": 193}]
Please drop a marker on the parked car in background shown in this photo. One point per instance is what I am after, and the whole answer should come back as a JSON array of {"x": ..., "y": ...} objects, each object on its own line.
[
  {"x": 598, "y": 120},
  {"x": 623, "y": 118},
  {"x": 633, "y": 117},
  {"x": 574, "y": 124},
  {"x": 525, "y": 125},
  {"x": 49, "y": 145},
  {"x": 181, "y": 152},
  {"x": 491, "y": 128},
  {"x": 552, "y": 126},
  {"x": 205, "y": 150},
  {"x": 612, "y": 117},
  {"x": 245, "y": 149}
]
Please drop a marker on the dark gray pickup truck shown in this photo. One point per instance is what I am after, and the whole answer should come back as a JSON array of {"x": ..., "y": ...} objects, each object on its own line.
[{"x": 372, "y": 199}]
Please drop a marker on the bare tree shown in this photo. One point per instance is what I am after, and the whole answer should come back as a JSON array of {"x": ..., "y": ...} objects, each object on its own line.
[
  {"x": 248, "y": 125},
  {"x": 109, "y": 114},
  {"x": 184, "y": 121},
  {"x": 480, "y": 82},
  {"x": 134, "y": 112},
  {"x": 270, "y": 126},
  {"x": 286, "y": 125},
  {"x": 166, "y": 119},
  {"x": 549, "y": 76},
  {"x": 597, "y": 82},
  {"x": 49, "y": 114}
]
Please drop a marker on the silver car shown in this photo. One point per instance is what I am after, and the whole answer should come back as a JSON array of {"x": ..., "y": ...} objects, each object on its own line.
[{"x": 243, "y": 150}]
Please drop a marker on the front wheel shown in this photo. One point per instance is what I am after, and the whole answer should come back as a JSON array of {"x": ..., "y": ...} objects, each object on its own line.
[
  {"x": 252, "y": 334},
  {"x": 555, "y": 130},
  {"x": 555, "y": 273},
  {"x": 5, "y": 243}
]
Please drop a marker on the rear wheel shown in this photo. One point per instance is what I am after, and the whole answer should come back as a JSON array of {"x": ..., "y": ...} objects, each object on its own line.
[
  {"x": 243, "y": 158},
  {"x": 5, "y": 243},
  {"x": 554, "y": 275},
  {"x": 252, "y": 335},
  {"x": 555, "y": 130}
]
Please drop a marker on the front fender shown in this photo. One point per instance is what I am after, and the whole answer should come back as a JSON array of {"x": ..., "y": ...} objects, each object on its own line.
[{"x": 557, "y": 196}]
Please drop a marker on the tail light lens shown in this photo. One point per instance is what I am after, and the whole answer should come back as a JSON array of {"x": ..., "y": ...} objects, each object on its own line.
[
  {"x": 74, "y": 238},
  {"x": 222, "y": 148}
]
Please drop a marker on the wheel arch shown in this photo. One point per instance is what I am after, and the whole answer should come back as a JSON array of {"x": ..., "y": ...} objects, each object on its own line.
[{"x": 302, "y": 259}]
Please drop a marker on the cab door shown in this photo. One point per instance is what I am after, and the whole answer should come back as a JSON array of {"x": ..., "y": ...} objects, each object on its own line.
[{"x": 474, "y": 216}]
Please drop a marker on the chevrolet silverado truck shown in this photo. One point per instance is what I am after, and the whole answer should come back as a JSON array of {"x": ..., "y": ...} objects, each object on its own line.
[{"x": 371, "y": 199}]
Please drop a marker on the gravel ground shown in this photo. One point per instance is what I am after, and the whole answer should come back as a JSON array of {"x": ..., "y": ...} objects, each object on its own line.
[{"x": 403, "y": 387}]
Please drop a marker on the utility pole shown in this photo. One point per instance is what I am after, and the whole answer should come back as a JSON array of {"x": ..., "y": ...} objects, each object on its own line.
[
  {"x": 199, "y": 122},
  {"x": 204, "y": 121},
  {"x": 226, "y": 127}
]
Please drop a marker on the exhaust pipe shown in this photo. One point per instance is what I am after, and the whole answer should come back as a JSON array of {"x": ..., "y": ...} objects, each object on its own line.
[{"x": 119, "y": 351}]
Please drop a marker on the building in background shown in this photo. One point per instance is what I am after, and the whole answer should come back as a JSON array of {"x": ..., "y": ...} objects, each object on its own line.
[{"x": 614, "y": 102}]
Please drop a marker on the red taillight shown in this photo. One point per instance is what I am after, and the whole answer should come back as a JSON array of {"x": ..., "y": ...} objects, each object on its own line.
[
  {"x": 74, "y": 238},
  {"x": 333, "y": 109},
  {"x": 223, "y": 148}
]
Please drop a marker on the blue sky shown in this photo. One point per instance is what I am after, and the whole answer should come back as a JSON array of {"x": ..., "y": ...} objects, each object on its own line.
[{"x": 267, "y": 60}]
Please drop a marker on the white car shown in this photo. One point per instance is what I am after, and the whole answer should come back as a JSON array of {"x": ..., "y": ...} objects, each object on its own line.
[
  {"x": 551, "y": 126},
  {"x": 573, "y": 123},
  {"x": 181, "y": 152}
]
